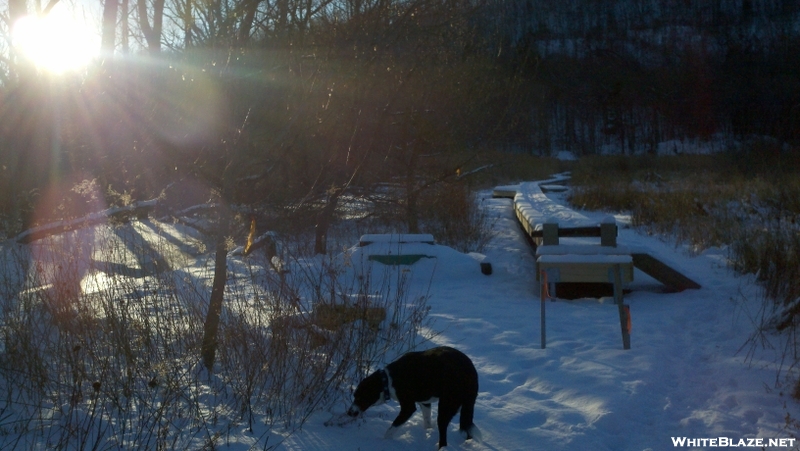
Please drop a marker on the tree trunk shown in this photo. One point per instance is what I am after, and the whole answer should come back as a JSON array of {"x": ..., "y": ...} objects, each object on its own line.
[
  {"x": 152, "y": 34},
  {"x": 125, "y": 32},
  {"x": 109, "y": 33},
  {"x": 158, "y": 20},
  {"x": 17, "y": 9},
  {"x": 211, "y": 327},
  {"x": 282, "y": 21},
  {"x": 247, "y": 22},
  {"x": 188, "y": 22},
  {"x": 412, "y": 212},
  {"x": 324, "y": 222}
]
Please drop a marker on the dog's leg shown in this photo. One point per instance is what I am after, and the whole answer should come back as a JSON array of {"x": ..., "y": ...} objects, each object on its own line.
[
  {"x": 406, "y": 410},
  {"x": 446, "y": 413},
  {"x": 426, "y": 415},
  {"x": 466, "y": 427}
]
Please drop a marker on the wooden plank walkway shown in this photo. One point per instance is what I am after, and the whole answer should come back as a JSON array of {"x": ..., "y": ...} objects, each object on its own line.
[
  {"x": 544, "y": 222},
  {"x": 532, "y": 219}
]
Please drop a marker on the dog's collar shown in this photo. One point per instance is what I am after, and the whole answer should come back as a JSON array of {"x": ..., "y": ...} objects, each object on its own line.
[{"x": 385, "y": 380}]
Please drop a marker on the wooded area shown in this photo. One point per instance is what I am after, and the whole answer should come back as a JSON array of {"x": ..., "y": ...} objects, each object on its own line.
[{"x": 293, "y": 103}]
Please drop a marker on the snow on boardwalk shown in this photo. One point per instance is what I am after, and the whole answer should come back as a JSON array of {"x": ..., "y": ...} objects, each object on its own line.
[
  {"x": 538, "y": 208},
  {"x": 683, "y": 376}
]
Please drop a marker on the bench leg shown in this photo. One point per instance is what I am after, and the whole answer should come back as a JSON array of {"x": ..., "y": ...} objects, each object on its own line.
[
  {"x": 543, "y": 297},
  {"x": 624, "y": 311}
]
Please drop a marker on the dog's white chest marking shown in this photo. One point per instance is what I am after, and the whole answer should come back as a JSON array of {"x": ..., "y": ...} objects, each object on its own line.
[{"x": 392, "y": 392}]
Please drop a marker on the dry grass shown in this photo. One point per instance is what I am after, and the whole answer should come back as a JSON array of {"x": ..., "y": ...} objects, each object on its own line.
[
  {"x": 709, "y": 201},
  {"x": 748, "y": 203},
  {"x": 703, "y": 200}
]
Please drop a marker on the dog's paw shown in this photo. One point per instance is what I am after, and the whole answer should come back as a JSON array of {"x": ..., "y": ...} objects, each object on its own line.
[
  {"x": 390, "y": 432},
  {"x": 472, "y": 433},
  {"x": 427, "y": 423}
]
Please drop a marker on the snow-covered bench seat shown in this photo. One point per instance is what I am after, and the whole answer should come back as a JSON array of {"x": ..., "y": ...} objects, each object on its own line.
[
  {"x": 583, "y": 268},
  {"x": 398, "y": 249},
  {"x": 573, "y": 256},
  {"x": 583, "y": 262},
  {"x": 396, "y": 238}
]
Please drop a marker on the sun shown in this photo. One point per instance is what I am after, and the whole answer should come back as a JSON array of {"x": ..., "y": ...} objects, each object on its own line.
[{"x": 56, "y": 43}]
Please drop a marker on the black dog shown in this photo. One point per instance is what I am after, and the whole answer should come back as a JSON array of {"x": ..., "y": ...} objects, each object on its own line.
[{"x": 444, "y": 374}]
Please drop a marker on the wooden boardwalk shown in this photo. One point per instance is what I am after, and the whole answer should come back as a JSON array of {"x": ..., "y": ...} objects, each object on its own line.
[{"x": 532, "y": 221}]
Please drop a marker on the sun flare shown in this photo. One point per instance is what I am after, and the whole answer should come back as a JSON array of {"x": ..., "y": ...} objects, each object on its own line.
[{"x": 57, "y": 42}]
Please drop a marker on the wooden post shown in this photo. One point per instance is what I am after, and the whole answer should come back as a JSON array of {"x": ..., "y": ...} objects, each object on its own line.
[
  {"x": 608, "y": 232},
  {"x": 550, "y": 233},
  {"x": 543, "y": 297},
  {"x": 623, "y": 311}
]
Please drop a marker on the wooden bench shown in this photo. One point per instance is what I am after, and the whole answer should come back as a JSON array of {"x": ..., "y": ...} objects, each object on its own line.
[
  {"x": 604, "y": 263},
  {"x": 397, "y": 249},
  {"x": 396, "y": 238}
]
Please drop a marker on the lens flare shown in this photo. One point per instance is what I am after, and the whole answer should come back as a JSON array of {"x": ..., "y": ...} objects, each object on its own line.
[{"x": 57, "y": 42}]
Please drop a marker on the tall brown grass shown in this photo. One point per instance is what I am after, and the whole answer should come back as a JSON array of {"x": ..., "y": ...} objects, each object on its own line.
[
  {"x": 747, "y": 202},
  {"x": 707, "y": 201}
]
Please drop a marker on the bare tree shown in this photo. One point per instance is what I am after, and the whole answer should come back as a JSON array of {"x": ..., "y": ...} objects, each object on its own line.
[
  {"x": 109, "y": 28},
  {"x": 125, "y": 32},
  {"x": 231, "y": 164},
  {"x": 245, "y": 28},
  {"x": 152, "y": 33}
]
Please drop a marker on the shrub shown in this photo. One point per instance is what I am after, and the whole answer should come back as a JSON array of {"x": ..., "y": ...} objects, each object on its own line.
[
  {"x": 452, "y": 214},
  {"x": 100, "y": 348}
]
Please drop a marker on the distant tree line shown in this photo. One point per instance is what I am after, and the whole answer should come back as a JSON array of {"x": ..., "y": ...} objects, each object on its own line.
[
  {"x": 629, "y": 74},
  {"x": 293, "y": 103}
]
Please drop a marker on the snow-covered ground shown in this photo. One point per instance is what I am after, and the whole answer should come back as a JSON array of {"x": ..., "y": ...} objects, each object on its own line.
[{"x": 685, "y": 375}]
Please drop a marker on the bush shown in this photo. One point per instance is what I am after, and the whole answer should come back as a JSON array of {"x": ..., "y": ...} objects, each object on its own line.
[
  {"x": 100, "y": 348},
  {"x": 452, "y": 214}
]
